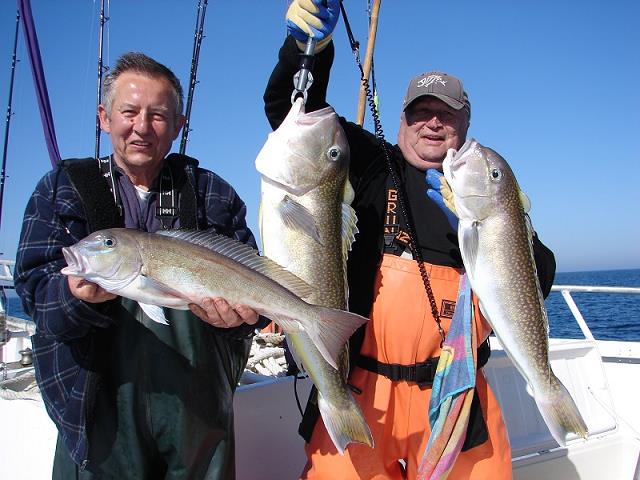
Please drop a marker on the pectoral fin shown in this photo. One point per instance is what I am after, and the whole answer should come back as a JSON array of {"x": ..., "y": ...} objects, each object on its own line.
[
  {"x": 297, "y": 217},
  {"x": 524, "y": 200},
  {"x": 468, "y": 238},
  {"x": 154, "y": 312}
]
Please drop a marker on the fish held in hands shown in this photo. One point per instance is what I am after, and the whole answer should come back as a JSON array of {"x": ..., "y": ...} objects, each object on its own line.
[
  {"x": 495, "y": 237},
  {"x": 175, "y": 268}
]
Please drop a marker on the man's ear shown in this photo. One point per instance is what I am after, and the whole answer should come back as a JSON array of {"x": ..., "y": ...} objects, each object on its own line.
[
  {"x": 180, "y": 121},
  {"x": 104, "y": 119}
]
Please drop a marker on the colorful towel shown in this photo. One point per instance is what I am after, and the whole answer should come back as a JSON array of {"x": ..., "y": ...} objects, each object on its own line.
[{"x": 452, "y": 392}]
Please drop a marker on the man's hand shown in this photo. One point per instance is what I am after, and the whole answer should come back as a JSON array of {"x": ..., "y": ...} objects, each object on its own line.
[
  {"x": 313, "y": 18},
  {"x": 440, "y": 192},
  {"x": 88, "y": 291},
  {"x": 217, "y": 312}
]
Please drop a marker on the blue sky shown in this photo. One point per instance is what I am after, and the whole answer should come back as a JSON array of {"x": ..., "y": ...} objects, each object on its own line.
[{"x": 553, "y": 87}]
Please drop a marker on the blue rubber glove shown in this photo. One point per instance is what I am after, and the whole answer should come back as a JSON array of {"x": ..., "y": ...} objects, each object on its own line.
[
  {"x": 440, "y": 192},
  {"x": 313, "y": 18}
]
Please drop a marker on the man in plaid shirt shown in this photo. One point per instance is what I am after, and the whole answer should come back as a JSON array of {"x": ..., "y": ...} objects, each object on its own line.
[{"x": 132, "y": 398}]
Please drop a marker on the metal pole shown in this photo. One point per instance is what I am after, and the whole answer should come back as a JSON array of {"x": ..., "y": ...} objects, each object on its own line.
[
  {"x": 371, "y": 41},
  {"x": 103, "y": 20},
  {"x": 3, "y": 172},
  {"x": 197, "y": 42}
]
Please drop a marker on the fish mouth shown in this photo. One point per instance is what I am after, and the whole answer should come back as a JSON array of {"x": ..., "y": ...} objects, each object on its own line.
[
  {"x": 304, "y": 118},
  {"x": 456, "y": 159},
  {"x": 74, "y": 262}
]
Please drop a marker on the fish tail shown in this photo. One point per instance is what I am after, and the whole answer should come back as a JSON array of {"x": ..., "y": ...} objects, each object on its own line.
[
  {"x": 332, "y": 331},
  {"x": 560, "y": 412},
  {"x": 344, "y": 425}
]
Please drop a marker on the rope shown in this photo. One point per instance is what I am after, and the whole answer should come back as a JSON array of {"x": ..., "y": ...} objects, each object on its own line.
[
  {"x": 267, "y": 356},
  {"x": 7, "y": 394},
  {"x": 15, "y": 324},
  {"x": 28, "y": 391}
]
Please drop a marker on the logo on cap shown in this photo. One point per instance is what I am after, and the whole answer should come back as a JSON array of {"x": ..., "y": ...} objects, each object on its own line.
[{"x": 431, "y": 79}]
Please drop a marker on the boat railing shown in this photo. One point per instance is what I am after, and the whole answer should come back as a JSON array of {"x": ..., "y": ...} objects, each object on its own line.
[
  {"x": 566, "y": 291},
  {"x": 6, "y": 271},
  {"x": 6, "y": 282}
]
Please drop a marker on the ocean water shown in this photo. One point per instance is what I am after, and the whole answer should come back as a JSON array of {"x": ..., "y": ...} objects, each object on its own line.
[{"x": 610, "y": 316}]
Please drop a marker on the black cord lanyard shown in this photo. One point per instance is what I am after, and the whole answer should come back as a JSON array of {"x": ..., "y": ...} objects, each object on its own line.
[
  {"x": 166, "y": 210},
  {"x": 395, "y": 177}
]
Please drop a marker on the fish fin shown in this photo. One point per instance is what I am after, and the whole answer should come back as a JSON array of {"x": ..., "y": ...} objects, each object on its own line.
[
  {"x": 244, "y": 254},
  {"x": 468, "y": 238},
  {"x": 150, "y": 291},
  {"x": 560, "y": 412},
  {"x": 332, "y": 331},
  {"x": 524, "y": 200},
  {"x": 348, "y": 193},
  {"x": 154, "y": 312},
  {"x": 298, "y": 217},
  {"x": 349, "y": 230},
  {"x": 344, "y": 424}
]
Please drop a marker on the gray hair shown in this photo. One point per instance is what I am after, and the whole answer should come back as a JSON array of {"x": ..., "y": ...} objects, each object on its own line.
[{"x": 140, "y": 63}]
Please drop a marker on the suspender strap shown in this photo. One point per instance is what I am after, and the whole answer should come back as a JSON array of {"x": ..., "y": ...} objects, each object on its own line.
[
  {"x": 167, "y": 207},
  {"x": 95, "y": 185},
  {"x": 97, "y": 199},
  {"x": 420, "y": 373},
  {"x": 188, "y": 207}
]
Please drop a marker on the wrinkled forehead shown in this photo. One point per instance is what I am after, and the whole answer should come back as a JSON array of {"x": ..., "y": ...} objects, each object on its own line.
[{"x": 138, "y": 87}]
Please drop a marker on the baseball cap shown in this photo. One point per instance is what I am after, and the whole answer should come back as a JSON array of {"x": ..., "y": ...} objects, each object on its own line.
[{"x": 445, "y": 87}]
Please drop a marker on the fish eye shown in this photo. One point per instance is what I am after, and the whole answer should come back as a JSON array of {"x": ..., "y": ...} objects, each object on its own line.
[
  {"x": 109, "y": 242},
  {"x": 333, "y": 153},
  {"x": 496, "y": 174}
]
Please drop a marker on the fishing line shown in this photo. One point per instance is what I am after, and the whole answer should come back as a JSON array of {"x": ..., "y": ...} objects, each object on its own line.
[{"x": 395, "y": 177}]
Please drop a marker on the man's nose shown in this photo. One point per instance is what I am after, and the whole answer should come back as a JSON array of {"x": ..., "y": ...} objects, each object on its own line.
[
  {"x": 141, "y": 124},
  {"x": 433, "y": 121}
]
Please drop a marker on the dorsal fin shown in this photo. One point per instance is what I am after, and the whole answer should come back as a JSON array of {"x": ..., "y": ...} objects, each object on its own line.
[
  {"x": 349, "y": 228},
  {"x": 244, "y": 254}
]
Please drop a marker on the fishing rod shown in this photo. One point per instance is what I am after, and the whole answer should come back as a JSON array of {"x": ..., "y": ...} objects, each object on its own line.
[
  {"x": 368, "y": 59},
  {"x": 195, "y": 57},
  {"x": 101, "y": 70},
  {"x": 3, "y": 172}
]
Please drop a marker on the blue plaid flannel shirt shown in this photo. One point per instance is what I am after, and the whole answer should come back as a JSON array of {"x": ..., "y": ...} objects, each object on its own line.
[{"x": 54, "y": 218}]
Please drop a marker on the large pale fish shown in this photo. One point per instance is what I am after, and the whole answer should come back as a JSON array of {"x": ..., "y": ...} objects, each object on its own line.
[
  {"x": 307, "y": 226},
  {"x": 495, "y": 239},
  {"x": 173, "y": 269}
]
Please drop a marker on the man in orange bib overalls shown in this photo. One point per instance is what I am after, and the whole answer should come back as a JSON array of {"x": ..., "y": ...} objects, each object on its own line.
[{"x": 404, "y": 272}]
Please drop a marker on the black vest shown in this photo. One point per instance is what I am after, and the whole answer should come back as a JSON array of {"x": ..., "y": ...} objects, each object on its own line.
[{"x": 98, "y": 202}]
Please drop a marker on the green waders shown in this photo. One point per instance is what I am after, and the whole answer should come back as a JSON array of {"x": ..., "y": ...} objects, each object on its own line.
[{"x": 162, "y": 400}]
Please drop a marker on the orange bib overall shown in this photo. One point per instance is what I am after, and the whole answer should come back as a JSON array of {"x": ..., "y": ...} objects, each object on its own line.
[{"x": 402, "y": 330}]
